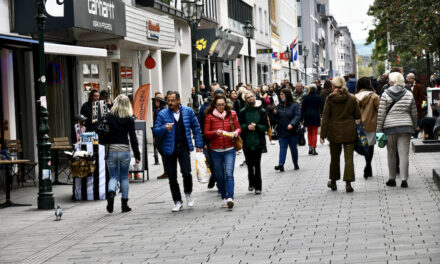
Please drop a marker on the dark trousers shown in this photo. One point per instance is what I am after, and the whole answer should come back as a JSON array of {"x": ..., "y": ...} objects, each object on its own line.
[
  {"x": 207, "y": 153},
  {"x": 368, "y": 171},
  {"x": 185, "y": 168},
  {"x": 253, "y": 161},
  {"x": 335, "y": 153}
]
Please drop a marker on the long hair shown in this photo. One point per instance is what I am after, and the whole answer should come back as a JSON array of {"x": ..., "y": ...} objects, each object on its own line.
[
  {"x": 211, "y": 106},
  {"x": 122, "y": 107},
  {"x": 328, "y": 85},
  {"x": 364, "y": 83},
  {"x": 289, "y": 97}
]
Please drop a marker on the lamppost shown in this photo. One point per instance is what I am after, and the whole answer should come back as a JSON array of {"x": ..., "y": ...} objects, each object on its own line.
[
  {"x": 305, "y": 54},
  {"x": 45, "y": 195},
  {"x": 192, "y": 11},
  {"x": 249, "y": 31},
  {"x": 289, "y": 55},
  {"x": 316, "y": 61}
]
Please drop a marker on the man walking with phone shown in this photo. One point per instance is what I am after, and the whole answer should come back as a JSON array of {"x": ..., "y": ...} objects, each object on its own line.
[{"x": 173, "y": 126}]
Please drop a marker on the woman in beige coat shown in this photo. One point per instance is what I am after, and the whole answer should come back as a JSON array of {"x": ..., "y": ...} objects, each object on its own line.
[{"x": 369, "y": 105}]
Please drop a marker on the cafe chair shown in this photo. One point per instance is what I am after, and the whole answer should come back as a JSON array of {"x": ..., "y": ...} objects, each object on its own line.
[
  {"x": 60, "y": 162},
  {"x": 23, "y": 170}
]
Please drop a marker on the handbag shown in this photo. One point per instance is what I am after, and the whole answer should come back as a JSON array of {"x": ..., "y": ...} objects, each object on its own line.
[
  {"x": 381, "y": 138},
  {"x": 238, "y": 142},
  {"x": 103, "y": 130},
  {"x": 301, "y": 137},
  {"x": 361, "y": 145}
]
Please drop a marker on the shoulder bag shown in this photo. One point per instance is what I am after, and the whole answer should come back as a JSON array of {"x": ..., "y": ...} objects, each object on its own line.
[{"x": 238, "y": 142}]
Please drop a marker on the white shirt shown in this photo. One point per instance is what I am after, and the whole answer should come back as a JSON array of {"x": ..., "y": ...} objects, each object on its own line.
[{"x": 176, "y": 115}]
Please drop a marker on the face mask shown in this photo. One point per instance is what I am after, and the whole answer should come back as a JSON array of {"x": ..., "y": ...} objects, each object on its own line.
[{"x": 283, "y": 100}]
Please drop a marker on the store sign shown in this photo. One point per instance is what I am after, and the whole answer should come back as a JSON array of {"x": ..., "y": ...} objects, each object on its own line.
[
  {"x": 153, "y": 30},
  {"x": 113, "y": 52},
  {"x": 106, "y": 16},
  {"x": 284, "y": 56},
  {"x": 264, "y": 51}
]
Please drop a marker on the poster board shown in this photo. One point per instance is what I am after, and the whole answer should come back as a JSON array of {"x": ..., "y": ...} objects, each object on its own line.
[
  {"x": 140, "y": 130},
  {"x": 433, "y": 98}
]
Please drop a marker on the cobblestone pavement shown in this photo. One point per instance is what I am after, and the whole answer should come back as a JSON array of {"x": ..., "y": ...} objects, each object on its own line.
[{"x": 297, "y": 219}]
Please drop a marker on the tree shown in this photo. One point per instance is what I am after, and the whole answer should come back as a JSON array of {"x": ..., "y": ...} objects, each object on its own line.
[
  {"x": 363, "y": 71},
  {"x": 414, "y": 30}
]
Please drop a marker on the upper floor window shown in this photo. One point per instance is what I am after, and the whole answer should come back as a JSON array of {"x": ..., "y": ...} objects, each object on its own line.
[{"x": 239, "y": 11}]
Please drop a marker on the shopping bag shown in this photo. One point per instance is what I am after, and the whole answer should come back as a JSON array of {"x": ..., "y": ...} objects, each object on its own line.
[
  {"x": 381, "y": 139},
  {"x": 201, "y": 169},
  {"x": 361, "y": 146},
  {"x": 301, "y": 137}
]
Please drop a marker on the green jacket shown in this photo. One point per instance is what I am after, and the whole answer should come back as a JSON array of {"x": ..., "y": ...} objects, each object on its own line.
[{"x": 257, "y": 138}]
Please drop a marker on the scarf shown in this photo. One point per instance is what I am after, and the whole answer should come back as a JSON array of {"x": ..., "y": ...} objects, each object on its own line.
[{"x": 216, "y": 113}]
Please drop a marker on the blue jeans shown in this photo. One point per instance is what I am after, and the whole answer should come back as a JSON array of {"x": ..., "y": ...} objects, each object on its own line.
[
  {"x": 118, "y": 163},
  {"x": 224, "y": 163},
  {"x": 291, "y": 142}
]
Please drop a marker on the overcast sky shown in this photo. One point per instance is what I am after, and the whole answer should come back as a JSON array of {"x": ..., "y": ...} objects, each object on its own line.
[{"x": 353, "y": 13}]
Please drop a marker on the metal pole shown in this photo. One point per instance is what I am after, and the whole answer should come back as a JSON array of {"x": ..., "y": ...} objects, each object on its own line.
[
  {"x": 45, "y": 195},
  {"x": 250, "y": 61},
  {"x": 194, "y": 55},
  {"x": 305, "y": 70}
]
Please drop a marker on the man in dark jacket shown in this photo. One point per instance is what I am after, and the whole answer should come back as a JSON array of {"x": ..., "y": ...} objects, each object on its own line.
[
  {"x": 87, "y": 110},
  {"x": 173, "y": 126},
  {"x": 254, "y": 124},
  {"x": 351, "y": 84}
]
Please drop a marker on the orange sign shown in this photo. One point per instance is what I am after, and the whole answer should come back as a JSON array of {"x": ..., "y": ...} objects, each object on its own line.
[{"x": 140, "y": 102}]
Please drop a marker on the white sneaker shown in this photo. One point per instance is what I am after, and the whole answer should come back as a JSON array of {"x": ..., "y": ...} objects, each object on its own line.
[
  {"x": 272, "y": 143},
  {"x": 189, "y": 200},
  {"x": 177, "y": 207},
  {"x": 224, "y": 205},
  {"x": 230, "y": 203}
]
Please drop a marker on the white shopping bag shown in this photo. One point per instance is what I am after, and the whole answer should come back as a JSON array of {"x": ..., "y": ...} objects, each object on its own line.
[{"x": 201, "y": 168}]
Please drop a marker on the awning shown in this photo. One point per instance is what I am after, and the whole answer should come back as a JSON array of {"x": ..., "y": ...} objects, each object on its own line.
[
  {"x": 53, "y": 48},
  {"x": 217, "y": 43}
]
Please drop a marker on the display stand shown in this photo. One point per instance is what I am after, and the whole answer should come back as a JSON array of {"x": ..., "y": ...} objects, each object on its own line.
[{"x": 94, "y": 186}]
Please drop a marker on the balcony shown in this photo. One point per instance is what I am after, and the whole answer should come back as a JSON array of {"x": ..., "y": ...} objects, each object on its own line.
[{"x": 166, "y": 6}]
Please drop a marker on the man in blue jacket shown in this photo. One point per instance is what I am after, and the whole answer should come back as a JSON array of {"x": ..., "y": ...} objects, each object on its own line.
[
  {"x": 173, "y": 126},
  {"x": 351, "y": 84}
]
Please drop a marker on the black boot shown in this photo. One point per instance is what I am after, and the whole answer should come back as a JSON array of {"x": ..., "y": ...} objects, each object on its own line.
[
  {"x": 314, "y": 152},
  {"x": 296, "y": 167},
  {"x": 110, "y": 201},
  {"x": 124, "y": 205},
  {"x": 279, "y": 167},
  {"x": 310, "y": 150}
]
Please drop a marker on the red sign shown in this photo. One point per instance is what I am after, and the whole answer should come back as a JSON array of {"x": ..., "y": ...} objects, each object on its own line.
[
  {"x": 284, "y": 56},
  {"x": 153, "y": 27}
]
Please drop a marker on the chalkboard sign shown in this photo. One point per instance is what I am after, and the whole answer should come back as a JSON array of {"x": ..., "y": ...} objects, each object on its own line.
[{"x": 140, "y": 129}]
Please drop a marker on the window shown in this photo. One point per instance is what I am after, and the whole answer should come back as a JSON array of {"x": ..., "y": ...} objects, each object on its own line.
[
  {"x": 300, "y": 49},
  {"x": 127, "y": 81},
  {"x": 261, "y": 22},
  {"x": 210, "y": 9},
  {"x": 90, "y": 73},
  {"x": 239, "y": 11},
  {"x": 265, "y": 22}
]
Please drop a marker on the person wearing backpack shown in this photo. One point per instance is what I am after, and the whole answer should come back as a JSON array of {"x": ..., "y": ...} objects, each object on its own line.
[
  {"x": 120, "y": 126},
  {"x": 397, "y": 118}
]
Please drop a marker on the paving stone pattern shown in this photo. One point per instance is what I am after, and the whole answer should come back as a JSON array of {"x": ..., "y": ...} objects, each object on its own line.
[{"x": 297, "y": 219}]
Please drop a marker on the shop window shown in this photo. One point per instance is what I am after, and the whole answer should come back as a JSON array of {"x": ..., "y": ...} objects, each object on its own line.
[
  {"x": 127, "y": 81},
  {"x": 90, "y": 73}
]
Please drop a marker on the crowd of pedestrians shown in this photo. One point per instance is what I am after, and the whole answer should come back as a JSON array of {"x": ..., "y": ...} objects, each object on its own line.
[{"x": 214, "y": 120}]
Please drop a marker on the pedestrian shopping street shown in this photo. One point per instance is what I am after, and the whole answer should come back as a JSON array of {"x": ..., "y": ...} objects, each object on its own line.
[{"x": 297, "y": 219}]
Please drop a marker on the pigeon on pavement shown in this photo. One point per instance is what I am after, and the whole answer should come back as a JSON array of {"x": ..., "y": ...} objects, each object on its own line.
[{"x": 58, "y": 212}]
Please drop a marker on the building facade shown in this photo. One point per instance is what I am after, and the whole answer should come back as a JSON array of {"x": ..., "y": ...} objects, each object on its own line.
[{"x": 347, "y": 53}]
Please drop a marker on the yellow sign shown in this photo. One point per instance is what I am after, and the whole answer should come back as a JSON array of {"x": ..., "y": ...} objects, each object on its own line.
[{"x": 201, "y": 44}]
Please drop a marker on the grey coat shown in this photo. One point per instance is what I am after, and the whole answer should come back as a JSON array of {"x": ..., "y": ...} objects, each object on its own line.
[{"x": 402, "y": 118}]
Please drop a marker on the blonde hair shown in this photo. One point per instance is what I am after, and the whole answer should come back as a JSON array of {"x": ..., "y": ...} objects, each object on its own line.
[
  {"x": 122, "y": 107},
  {"x": 338, "y": 82}
]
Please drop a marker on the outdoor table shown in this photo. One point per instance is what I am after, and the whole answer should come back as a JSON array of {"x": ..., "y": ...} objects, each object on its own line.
[
  {"x": 7, "y": 164},
  {"x": 55, "y": 150}
]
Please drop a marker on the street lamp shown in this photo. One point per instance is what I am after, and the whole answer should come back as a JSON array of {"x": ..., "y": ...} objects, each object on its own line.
[
  {"x": 249, "y": 31},
  {"x": 289, "y": 55},
  {"x": 192, "y": 12},
  {"x": 45, "y": 194},
  {"x": 305, "y": 54},
  {"x": 316, "y": 61}
]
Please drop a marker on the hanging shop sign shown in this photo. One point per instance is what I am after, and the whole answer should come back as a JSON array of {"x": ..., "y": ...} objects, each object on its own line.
[
  {"x": 264, "y": 51},
  {"x": 153, "y": 30},
  {"x": 105, "y": 16},
  {"x": 113, "y": 52}
]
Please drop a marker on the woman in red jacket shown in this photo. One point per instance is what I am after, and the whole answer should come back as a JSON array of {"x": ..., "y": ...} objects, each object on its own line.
[{"x": 221, "y": 128}]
